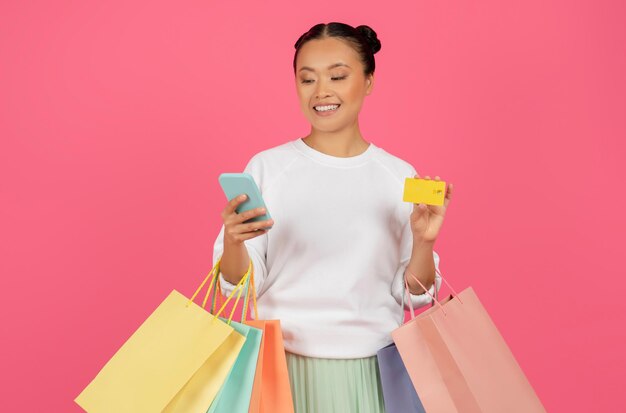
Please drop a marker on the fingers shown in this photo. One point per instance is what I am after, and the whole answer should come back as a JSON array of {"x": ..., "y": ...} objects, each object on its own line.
[
  {"x": 235, "y": 227},
  {"x": 251, "y": 226},
  {"x": 239, "y": 232},
  {"x": 229, "y": 213},
  {"x": 244, "y": 216},
  {"x": 233, "y": 204},
  {"x": 437, "y": 178},
  {"x": 240, "y": 237},
  {"x": 449, "y": 191}
]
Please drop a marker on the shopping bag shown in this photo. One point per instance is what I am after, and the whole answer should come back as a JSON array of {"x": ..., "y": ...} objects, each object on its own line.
[
  {"x": 176, "y": 361},
  {"x": 234, "y": 396},
  {"x": 458, "y": 361},
  {"x": 398, "y": 392},
  {"x": 399, "y": 395},
  {"x": 271, "y": 392}
]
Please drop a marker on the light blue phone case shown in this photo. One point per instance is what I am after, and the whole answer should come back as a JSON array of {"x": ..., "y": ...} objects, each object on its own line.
[{"x": 235, "y": 184}]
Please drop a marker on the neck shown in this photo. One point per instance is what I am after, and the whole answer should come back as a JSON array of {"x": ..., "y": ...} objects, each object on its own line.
[{"x": 345, "y": 143}]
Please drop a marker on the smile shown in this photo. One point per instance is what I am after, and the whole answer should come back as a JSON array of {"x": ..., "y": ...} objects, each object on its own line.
[{"x": 326, "y": 108}]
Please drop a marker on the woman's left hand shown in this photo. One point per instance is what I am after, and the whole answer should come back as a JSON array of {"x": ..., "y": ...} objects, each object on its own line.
[{"x": 426, "y": 220}]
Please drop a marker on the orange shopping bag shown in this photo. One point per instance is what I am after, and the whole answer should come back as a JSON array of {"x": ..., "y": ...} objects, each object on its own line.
[{"x": 271, "y": 392}]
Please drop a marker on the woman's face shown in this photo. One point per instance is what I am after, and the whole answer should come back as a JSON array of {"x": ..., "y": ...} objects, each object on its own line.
[{"x": 329, "y": 72}]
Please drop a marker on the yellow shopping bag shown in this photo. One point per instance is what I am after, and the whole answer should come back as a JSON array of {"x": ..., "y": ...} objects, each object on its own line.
[{"x": 176, "y": 361}]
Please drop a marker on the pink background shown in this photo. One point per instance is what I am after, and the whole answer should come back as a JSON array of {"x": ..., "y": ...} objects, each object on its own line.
[{"x": 117, "y": 117}]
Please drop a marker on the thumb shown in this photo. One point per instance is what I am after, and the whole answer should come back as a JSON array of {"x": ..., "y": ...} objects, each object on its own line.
[{"x": 419, "y": 209}]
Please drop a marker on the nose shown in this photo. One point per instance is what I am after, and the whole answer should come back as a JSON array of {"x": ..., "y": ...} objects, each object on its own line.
[{"x": 321, "y": 91}]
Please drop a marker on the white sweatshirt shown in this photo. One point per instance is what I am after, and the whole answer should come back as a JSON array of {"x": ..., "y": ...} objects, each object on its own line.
[{"x": 331, "y": 267}]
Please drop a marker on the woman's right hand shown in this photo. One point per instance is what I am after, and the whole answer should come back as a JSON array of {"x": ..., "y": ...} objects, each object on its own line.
[{"x": 235, "y": 231}]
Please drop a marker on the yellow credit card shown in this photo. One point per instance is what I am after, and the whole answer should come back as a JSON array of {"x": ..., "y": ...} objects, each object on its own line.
[{"x": 424, "y": 191}]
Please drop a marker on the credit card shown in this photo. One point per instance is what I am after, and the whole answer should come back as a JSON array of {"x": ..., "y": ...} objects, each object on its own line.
[{"x": 424, "y": 191}]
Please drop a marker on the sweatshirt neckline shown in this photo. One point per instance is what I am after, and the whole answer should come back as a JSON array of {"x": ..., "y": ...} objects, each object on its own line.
[{"x": 359, "y": 159}]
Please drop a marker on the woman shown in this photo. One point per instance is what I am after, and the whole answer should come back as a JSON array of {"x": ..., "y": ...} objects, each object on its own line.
[{"x": 332, "y": 267}]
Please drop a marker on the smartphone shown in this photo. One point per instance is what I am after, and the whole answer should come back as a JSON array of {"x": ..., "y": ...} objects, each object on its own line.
[{"x": 235, "y": 184}]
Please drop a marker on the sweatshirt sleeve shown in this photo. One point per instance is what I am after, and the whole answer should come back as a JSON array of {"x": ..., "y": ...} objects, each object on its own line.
[
  {"x": 257, "y": 247},
  {"x": 418, "y": 300},
  {"x": 406, "y": 246}
]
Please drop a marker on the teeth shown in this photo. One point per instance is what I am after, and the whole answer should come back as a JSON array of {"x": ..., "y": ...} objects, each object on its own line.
[{"x": 325, "y": 108}]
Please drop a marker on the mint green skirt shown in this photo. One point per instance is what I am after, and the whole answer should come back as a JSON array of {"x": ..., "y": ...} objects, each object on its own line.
[{"x": 335, "y": 385}]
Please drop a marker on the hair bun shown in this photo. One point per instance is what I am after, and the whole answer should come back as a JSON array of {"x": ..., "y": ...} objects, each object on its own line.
[{"x": 370, "y": 36}]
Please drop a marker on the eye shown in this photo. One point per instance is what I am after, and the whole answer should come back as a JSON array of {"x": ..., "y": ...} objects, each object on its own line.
[
  {"x": 338, "y": 78},
  {"x": 306, "y": 81}
]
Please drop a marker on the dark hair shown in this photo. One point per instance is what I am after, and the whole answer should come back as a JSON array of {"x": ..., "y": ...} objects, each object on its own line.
[{"x": 362, "y": 38}]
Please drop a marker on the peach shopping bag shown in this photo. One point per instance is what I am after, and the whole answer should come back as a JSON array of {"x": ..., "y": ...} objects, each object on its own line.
[{"x": 459, "y": 363}]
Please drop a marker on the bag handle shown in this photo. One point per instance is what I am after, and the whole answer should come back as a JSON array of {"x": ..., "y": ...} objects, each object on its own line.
[
  {"x": 209, "y": 275},
  {"x": 250, "y": 290},
  {"x": 435, "y": 298},
  {"x": 239, "y": 288},
  {"x": 214, "y": 275}
]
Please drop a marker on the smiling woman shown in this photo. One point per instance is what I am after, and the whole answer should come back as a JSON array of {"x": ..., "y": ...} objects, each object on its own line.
[
  {"x": 334, "y": 66},
  {"x": 332, "y": 267}
]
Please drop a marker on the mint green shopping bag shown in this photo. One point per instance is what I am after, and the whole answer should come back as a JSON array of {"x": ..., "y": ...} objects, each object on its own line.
[{"x": 234, "y": 395}]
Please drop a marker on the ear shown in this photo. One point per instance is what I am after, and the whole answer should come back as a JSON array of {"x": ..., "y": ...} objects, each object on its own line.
[{"x": 370, "y": 84}]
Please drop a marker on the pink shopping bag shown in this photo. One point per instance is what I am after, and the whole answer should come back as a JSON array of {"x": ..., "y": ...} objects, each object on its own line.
[{"x": 458, "y": 361}]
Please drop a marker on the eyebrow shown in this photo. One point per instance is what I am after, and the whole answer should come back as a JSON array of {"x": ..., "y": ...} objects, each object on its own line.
[{"x": 329, "y": 67}]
